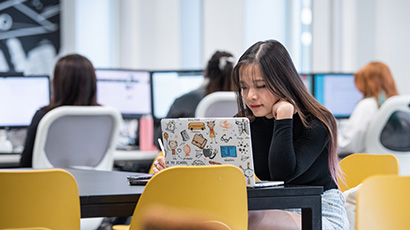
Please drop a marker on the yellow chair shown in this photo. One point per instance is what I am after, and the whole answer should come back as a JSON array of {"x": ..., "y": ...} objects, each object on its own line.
[
  {"x": 39, "y": 199},
  {"x": 151, "y": 170},
  {"x": 218, "y": 190},
  {"x": 359, "y": 166},
  {"x": 169, "y": 218},
  {"x": 383, "y": 202},
  {"x": 28, "y": 228}
]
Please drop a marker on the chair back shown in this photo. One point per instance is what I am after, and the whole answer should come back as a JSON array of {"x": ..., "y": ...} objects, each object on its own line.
[
  {"x": 383, "y": 202},
  {"x": 39, "y": 198},
  {"x": 359, "y": 166},
  {"x": 77, "y": 136},
  {"x": 217, "y": 104},
  {"x": 167, "y": 218},
  {"x": 218, "y": 191},
  {"x": 389, "y": 131}
]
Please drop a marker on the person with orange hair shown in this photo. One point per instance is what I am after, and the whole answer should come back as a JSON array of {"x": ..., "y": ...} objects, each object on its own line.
[{"x": 376, "y": 83}]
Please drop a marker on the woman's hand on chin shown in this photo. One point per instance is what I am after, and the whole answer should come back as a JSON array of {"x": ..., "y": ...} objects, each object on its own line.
[{"x": 283, "y": 110}]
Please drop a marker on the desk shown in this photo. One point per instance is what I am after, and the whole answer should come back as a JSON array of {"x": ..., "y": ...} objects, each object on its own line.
[
  {"x": 306, "y": 197},
  {"x": 107, "y": 194},
  {"x": 134, "y": 155},
  {"x": 13, "y": 160}
]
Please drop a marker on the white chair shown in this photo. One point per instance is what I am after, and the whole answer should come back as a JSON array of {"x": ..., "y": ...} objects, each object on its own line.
[
  {"x": 78, "y": 137},
  {"x": 389, "y": 131},
  {"x": 217, "y": 104}
]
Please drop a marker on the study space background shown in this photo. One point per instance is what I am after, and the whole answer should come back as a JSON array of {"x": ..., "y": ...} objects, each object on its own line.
[
  {"x": 143, "y": 98},
  {"x": 322, "y": 36},
  {"x": 129, "y": 91}
]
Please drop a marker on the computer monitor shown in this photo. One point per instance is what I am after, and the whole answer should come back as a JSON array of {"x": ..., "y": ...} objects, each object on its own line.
[
  {"x": 9, "y": 74},
  {"x": 337, "y": 92},
  {"x": 20, "y": 97},
  {"x": 169, "y": 85},
  {"x": 127, "y": 90},
  {"x": 308, "y": 81}
]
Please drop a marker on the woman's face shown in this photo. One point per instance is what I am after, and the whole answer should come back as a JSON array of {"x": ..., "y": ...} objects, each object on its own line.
[{"x": 255, "y": 92}]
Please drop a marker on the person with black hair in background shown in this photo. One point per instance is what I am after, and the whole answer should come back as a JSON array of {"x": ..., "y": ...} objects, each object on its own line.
[
  {"x": 217, "y": 78},
  {"x": 294, "y": 137},
  {"x": 74, "y": 83}
]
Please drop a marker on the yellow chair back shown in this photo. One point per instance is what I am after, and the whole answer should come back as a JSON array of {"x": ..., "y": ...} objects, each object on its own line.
[
  {"x": 383, "y": 202},
  {"x": 168, "y": 218},
  {"x": 39, "y": 198},
  {"x": 28, "y": 228},
  {"x": 359, "y": 166},
  {"x": 218, "y": 190}
]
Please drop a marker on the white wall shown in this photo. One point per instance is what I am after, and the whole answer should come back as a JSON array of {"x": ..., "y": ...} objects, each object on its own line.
[
  {"x": 90, "y": 28},
  {"x": 256, "y": 16},
  {"x": 159, "y": 34},
  {"x": 369, "y": 30},
  {"x": 146, "y": 34},
  {"x": 321, "y": 36},
  {"x": 392, "y": 39},
  {"x": 134, "y": 33},
  {"x": 222, "y": 27},
  {"x": 67, "y": 26},
  {"x": 92, "y": 40}
]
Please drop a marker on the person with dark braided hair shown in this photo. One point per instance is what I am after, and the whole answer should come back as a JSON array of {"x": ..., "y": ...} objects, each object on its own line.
[{"x": 217, "y": 78}]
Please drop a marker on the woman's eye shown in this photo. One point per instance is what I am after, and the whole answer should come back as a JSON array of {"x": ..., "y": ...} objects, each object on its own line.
[
  {"x": 243, "y": 87},
  {"x": 260, "y": 86}
]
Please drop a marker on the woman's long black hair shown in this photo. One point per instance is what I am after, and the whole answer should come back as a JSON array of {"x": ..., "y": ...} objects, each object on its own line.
[{"x": 283, "y": 81}]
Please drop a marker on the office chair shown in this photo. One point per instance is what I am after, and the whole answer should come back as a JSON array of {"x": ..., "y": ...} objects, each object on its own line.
[
  {"x": 77, "y": 136},
  {"x": 359, "y": 166},
  {"x": 81, "y": 137},
  {"x": 389, "y": 131},
  {"x": 217, "y": 104},
  {"x": 383, "y": 202},
  {"x": 39, "y": 199},
  {"x": 169, "y": 218},
  {"x": 217, "y": 190}
]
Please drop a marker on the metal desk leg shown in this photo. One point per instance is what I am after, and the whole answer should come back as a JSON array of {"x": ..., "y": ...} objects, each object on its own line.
[{"x": 312, "y": 217}]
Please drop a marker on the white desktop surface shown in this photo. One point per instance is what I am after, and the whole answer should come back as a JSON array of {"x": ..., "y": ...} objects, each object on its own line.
[
  {"x": 130, "y": 155},
  {"x": 119, "y": 155},
  {"x": 9, "y": 158}
]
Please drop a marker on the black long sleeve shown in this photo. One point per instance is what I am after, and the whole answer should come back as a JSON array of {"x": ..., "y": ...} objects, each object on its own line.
[
  {"x": 286, "y": 150},
  {"x": 27, "y": 154}
]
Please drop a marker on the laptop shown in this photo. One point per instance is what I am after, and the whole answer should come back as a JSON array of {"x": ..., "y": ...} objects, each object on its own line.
[{"x": 210, "y": 141}]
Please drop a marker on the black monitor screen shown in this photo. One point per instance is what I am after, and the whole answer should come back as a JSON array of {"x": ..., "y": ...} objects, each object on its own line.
[
  {"x": 337, "y": 92},
  {"x": 21, "y": 97},
  {"x": 127, "y": 90},
  {"x": 169, "y": 85}
]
